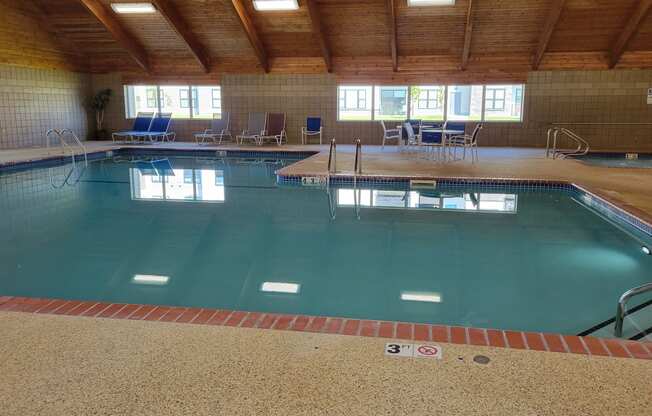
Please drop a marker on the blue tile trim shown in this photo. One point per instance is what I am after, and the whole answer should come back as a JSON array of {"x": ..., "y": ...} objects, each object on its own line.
[
  {"x": 48, "y": 162},
  {"x": 613, "y": 212}
]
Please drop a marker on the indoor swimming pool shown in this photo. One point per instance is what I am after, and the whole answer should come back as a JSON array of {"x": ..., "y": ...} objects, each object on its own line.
[{"x": 219, "y": 232}]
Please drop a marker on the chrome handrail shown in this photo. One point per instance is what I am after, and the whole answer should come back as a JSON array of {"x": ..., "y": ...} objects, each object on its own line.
[
  {"x": 357, "y": 164},
  {"x": 583, "y": 146},
  {"x": 77, "y": 142},
  {"x": 622, "y": 302},
  {"x": 332, "y": 157},
  {"x": 64, "y": 145}
]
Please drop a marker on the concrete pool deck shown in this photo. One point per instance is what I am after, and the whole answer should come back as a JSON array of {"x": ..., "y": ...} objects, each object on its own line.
[{"x": 74, "y": 365}]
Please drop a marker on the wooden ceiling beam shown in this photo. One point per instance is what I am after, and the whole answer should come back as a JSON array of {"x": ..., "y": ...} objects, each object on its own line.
[
  {"x": 391, "y": 23},
  {"x": 548, "y": 28},
  {"x": 176, "y": 22},
  {"x": 318, "y": 31},
  {"x": 108, "y": 19},
  {"x": 250, "y": 30},
  {"x": 628, "y": 31},
  {"x": 468, "y": 33}
]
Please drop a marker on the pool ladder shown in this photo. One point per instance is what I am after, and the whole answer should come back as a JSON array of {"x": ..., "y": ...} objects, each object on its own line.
[
  {"x": 553, "y": 152},
  {"x": 622, "y": 303},
  {"x": 61, "y": 136}
]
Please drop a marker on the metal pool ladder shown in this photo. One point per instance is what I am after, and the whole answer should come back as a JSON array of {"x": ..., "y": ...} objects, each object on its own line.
[
  {"x": 583, "y": 146},
  {"x": 357, "y": 164},
  {"x": 332, "y": 157},
  {"x": 61, "y": 136},
  {"x": 622, "y": 302}
]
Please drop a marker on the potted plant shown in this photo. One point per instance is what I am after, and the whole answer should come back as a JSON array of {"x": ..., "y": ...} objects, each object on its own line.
[{"x": 99, "y": 103}]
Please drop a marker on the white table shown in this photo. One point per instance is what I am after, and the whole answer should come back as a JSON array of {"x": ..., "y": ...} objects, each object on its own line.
[{"x": 445, "y": 133}]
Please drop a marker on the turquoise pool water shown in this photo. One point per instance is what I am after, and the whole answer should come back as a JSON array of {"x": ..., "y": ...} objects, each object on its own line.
[
  {"x": 221, "y": 233},
  {"x": 617, "y": 160}
]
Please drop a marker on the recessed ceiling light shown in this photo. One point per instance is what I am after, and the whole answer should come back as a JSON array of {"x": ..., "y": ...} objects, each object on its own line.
[
  {"x": 150, "y": 279},
  {"x": 413, "y": 3},
  {"x": 272, "y": 5},
  {"x": 645, "y": 250},
  {"x": 280, "y": 287},
  {"x": 127, "y": 8},
  {"x": 433, "y": 297}
]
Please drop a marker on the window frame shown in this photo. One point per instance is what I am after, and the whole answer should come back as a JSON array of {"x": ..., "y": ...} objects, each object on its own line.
[
  {"x": 493, "y": 99},
  {"x": 191, "y": 102}
]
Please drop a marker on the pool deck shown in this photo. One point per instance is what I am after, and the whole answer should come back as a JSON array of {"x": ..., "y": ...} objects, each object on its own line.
[{"x": 72, "y": 365}]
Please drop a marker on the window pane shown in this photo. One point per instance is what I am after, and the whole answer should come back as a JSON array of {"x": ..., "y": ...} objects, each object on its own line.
[
  {"x": 207, "y": 100},
  {"x": 503, "y": 103},
  {"x": 171, "y": 101},
  {"x": 354, "y": 102},
  {"x": 390, "y": 103},
  {"x": 140, "y": 98},
  {"x": 427, "y": 102},
  {"x": 464, "y": 102}
]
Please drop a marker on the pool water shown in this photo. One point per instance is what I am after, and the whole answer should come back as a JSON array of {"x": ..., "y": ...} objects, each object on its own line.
[
  {"x": 617, "y": 160},
  {"x": 220, "y": 233}
]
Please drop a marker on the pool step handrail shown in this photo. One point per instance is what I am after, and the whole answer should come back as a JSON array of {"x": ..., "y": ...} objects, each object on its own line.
[
  {"x": 622, "y": 303},
  {"x": 357, "y": 164},
  {"x": 76, "y": 141},
  {"x": 332, "y": 157},
  {"x": 583, "y": 146}
]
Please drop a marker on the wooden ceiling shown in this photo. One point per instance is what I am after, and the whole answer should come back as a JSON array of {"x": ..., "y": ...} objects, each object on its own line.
[{"x": 475, "y": 40}]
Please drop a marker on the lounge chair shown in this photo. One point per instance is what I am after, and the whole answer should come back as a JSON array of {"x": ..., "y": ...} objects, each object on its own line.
[
  {"x": 158, "y": 130},
  {"x": 141, "y": 125},
  {"x": 313, "y": 128},
  {"x": 256, "y": 126},
  {"x": 275, "y": 128},
  {"x": 218, "y": 131}
]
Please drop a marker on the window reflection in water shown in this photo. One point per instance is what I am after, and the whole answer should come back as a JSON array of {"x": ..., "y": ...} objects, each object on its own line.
[
  {"x": 155, "y": 182},
  {"x": 463, "y": 201}
]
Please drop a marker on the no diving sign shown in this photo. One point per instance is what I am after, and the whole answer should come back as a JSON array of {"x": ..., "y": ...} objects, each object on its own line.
[{"x": 413, "y": 350}]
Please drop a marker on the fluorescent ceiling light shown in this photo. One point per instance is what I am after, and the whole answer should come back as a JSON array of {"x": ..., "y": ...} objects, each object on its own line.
[
  {"x": 413, "y": 3},
  {"x": 433, "y": 297},
  {"x": 280, "y": 287},
  {"x": 127, "y": 8},
  {"x": 150, "y": 279},
  {"x": 270, "y": 5}
]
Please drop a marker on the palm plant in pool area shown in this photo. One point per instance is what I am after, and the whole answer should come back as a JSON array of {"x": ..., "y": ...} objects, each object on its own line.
[{"x": 98, "y": 104}]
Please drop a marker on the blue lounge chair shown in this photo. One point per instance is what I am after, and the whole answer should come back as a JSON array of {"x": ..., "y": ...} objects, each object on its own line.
[
  {"x": 313, "y": 128},
  {"x": 142, "y": 124},
  {"x": 159, "y": 129}
]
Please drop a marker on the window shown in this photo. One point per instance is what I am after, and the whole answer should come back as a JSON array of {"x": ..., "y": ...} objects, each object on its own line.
[
  {"x": 427, "y": 102},
  {"x": 354, "y": 103},
  {"x": 206, "y": 101},
  {"x": 183, "y": 98},
  {"x": 182, "y": 101},
  {"x": 495, "y": 99},
  {"x": 464, "y": 103},
  {"x": 390, "y": 103},
  {"x": 503, "y": 103}
]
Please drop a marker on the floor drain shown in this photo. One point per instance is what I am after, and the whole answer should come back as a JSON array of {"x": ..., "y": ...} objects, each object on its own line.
[{"x": 481, "y": 359}]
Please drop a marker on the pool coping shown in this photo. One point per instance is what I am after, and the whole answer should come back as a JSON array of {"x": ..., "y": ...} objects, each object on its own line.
[{"x": 482, "y": 337}]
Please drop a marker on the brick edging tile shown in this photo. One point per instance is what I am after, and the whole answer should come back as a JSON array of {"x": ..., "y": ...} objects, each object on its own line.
[{"x": 497, "y": 338}]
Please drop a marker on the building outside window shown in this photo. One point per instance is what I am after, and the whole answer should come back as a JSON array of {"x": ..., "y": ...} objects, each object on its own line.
[
  {"x": 503, "y": 103},
  {"x": 390, "y": 103},
  {"x": 464, "y": 102},
  {"x": 151, "y": 98},
  {"x": 205, "y": 103},
  {"x": 427, "y": 102},
  {"x": 354, "y": 103},
  {"x": 495, "y": 99}
]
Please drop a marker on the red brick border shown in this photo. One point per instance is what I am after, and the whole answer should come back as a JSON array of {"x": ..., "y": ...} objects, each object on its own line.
[{"x": 331, "y": 325}]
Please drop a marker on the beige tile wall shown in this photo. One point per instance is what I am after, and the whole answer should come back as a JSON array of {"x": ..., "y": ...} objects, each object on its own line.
[
  {"x": 35, "y": 100},
  {"x": 561, "y": 96}
]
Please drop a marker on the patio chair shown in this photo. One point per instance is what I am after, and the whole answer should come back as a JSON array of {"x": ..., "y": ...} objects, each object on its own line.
[
  {"x": 256, "y": 126},
  {"x": 432, "y": 140},
  {"x": 391, "y": 134},
  {"x": 466, "y": 141},
  {"x": 218, "y": 131},
  {"x": 275, "y": 128},
  {"x": 158, "y": 130},
  {"x": 412, "y": 140},
  {"x": 312, "y": 128},
  {"x": 141, "y": 125},
  {"x": 416, "y": 128}
]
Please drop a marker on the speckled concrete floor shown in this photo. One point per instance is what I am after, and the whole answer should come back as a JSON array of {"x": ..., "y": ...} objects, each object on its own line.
[{"x": 53, "y": 365}]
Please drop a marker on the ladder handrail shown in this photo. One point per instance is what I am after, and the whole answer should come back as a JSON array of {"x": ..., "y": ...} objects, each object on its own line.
[
  {"x": 583, "y": 146},
  {"x": 357, "y": 164},
  {"x": 64, "y": 145},
  {"x": 332, "y": 157},
  {"x": 77, "y": 141},
  {"x": 622, "y": 302}
]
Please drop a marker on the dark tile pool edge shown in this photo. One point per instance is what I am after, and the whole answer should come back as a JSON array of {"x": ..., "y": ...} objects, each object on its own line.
[{"x": 534, "y": 341}]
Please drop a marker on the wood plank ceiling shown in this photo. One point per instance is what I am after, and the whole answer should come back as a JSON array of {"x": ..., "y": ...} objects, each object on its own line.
[{"x": 357, "y": 39}]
